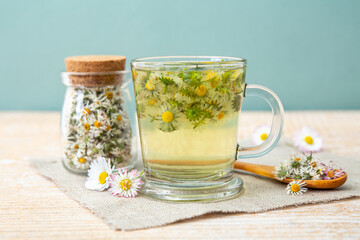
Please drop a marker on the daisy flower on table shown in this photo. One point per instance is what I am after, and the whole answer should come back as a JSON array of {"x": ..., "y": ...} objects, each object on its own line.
[
  {"x": 260, "y": 134},
  {"x": 124, "y": 183},
  {"x": 99, "y": 174},
  {"x": 296, "y": 188},
  {"x": 308, "y": 140}
]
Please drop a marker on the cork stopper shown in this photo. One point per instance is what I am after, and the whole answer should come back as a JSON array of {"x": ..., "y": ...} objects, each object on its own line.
[{"x": 95, "y": 70}]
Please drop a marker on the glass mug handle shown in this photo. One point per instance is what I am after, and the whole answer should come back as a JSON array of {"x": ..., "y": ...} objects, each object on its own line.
[{"x": 276, "y": 127}]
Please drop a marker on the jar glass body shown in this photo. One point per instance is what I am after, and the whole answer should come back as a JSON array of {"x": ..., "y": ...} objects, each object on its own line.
[{"x": 98, "y": 120}]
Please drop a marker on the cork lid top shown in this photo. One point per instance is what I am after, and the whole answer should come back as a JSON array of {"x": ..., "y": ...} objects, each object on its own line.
[
  {"x": 94, "y": 70},
  {"x": 95, "y": 63}
]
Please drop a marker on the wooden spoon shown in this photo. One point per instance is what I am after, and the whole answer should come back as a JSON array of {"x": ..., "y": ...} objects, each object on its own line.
[{"x": 268, "y": 171}]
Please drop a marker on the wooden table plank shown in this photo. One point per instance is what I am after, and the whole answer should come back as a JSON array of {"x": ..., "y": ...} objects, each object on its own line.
[{"x": 33, "y": 207}]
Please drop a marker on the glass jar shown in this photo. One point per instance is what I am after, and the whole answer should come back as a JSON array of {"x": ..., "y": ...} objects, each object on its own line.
[{"x": 98, "y": 120}]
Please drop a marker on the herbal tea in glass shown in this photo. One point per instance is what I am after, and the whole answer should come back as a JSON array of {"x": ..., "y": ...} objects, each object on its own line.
[{"x": 188, "y": 121}]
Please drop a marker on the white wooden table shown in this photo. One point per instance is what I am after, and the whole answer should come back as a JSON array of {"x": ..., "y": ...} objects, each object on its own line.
[{"x": 33, "y": 207}]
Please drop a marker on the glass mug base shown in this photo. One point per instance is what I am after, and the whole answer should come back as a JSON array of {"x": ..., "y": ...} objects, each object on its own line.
[{"x": 210, "y": 191}]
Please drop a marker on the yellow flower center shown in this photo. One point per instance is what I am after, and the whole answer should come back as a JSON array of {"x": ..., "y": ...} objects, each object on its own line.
[
  {"x": 109, "y": 95},
  {"x": 235, "y": 74},
  {"x": 86, "y": 111},
  {"x": 210, "y": 74},
  {"x": 152, "y": 101},
  {"x": 125, "y": 184},
  {"x": 87, "y": 126},
  {"x": 264, "y": 136},
  {"x": 220, "y": 115},
  {"x": 134, "y": 74},
  {"x": 201, "y": 91},
  {"x": 76, "y": 146},
  {"x": 309, "y": 140},
  {"x": 295, "y": 187},
  {"x": 167, "y": 116},
  {"x": 118, "y": 118},
  {"x": 108, "y": 128},
  {"x": 331, "y": 173},
  {"x": 97, "y": 124},
  {"x": 82, "y": 160},
  {"x": 214, "y": 83},
  {"x": 102, "y": 177},
  {"x": 149, "y": 86},
  {"x": 210, "y": 112},
  {"x": 313, "y": 164},
  {"x": 297, "y": 159}
]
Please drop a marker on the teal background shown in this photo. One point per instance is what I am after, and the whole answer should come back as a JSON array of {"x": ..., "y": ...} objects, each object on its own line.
[{"x": 306, "y": 51}]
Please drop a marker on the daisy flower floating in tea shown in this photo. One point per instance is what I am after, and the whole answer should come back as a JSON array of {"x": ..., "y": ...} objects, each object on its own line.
[
  {"x": 168, "y": 120},
  {"x": 308, "y": 140},
  {"x": 122, "y": 183},
  {"x": 191, "y": 97}
]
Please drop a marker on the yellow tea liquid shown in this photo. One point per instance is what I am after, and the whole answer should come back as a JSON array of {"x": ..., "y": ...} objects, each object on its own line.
[{"x": 188, "y": 154}]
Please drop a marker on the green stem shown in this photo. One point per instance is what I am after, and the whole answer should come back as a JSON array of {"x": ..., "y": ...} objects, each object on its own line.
[{"x": 198, "y": 123}]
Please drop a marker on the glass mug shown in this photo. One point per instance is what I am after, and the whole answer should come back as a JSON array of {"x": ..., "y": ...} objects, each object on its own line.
[{"x": 188, "y": 110}]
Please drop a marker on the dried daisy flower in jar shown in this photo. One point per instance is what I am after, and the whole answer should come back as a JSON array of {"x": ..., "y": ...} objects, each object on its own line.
[{"x": 95, "y": 122}]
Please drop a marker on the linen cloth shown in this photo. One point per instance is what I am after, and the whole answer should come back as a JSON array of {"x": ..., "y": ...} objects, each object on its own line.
[{"x": 258, "y": 195}]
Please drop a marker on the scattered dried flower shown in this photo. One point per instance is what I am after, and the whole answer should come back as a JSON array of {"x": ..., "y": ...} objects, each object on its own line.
[{"x": 296, "y": 188}]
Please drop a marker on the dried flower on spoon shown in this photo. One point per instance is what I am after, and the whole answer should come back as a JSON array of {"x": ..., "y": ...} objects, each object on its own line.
[{"x": 306, "y": 167}]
